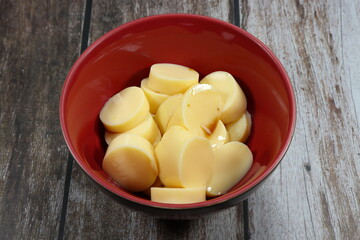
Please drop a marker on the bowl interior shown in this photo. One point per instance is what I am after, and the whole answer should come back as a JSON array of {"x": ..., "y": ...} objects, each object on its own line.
[{"x": 123, "y": 58}]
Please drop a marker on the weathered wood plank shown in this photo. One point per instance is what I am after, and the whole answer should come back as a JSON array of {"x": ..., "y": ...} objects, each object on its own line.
[
  {"x": 314, "y": 194},
  {"x": 107, "y": 15},
  {"x": 38, "y": 44},
  {"x": 350, "y": 35},
  {"x": 93, "y": 215}
]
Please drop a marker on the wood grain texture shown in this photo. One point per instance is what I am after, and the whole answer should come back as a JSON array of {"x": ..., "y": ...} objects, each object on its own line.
[
  {"x": 350, "y": 35},
  {"x": 38, "y": 44},
  {"x": 91, "y": 215},
  {"x": 107, "y": 15},
  {"x": 314, "y": 194}
]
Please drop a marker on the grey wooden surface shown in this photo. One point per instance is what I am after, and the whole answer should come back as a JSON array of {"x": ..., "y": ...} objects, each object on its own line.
[{"x": 314, "y": 194}]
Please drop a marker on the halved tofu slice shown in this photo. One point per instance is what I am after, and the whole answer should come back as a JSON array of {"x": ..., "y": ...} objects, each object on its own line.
[
  {"x": 199, "y": 110},
  {"x": 130, "y": 161},
  {"x": 234, "y": 98},
  {"x": 147, "y": 129},
  {"x": 232, "y": 161},
  {"x": 155, "y": 99},
  {"x": 125, "y": 110},
  {"x": 166, "y": 110},
  {"x": 219, "y": 136},
  {"x": 168, "y": 78},
  {"x": 184, "y": 159},
  {"x": 239, "y": 130}
]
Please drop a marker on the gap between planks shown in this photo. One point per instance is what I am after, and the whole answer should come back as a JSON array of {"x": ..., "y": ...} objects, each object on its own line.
[
  {"x": 236, "y": 12},
  {"x": 69, "y": 167}
]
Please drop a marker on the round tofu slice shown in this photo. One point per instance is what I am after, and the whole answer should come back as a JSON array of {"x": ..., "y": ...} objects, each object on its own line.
[
  {"x": 171, "y": 79},
  {"x": 130, "y": 161},
  {"x": 154, "y": 98},
  {"x": 234, "y": 98},
  {"x": 240, "y": 129},
  {"x": 219, "y": 136},
  {"x": 199, "y": 110},
  {"x": 166, "y": 110},
  {"x": 178, "y": 195},
  {"x": 125, "y": 110},
  {"x": 232, "y": 161},
  {"x": 184, "y": 160},
  {"x": 147, "y": 129}
]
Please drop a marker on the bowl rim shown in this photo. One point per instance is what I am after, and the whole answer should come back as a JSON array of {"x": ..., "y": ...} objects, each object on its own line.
[{"x": 214, "y": 201}]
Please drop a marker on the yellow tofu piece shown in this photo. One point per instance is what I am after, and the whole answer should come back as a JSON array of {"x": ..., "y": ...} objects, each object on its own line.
[
  {"x": 184, "y": 159},
  {"x": 155, "y": 99},
  {"x": 147, "y": 129},
  {"x": 239, "y": 130},
  {"x": 199, "y": 110},
  {"x": 125, "y": 110},
  {"x": 166, "y": 110},
  {"x": 234, "y": 98},
  {"x": 168, "y": 78},
  {"x": 130, "y": 161},
  {"x": 219, "y": 136},
  {"x": 232, "y": 161},
  {"x": 178, "y": 195}
]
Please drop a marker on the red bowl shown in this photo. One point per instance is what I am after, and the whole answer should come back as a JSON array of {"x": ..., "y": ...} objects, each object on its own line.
[{"x": 123, "y": 57}]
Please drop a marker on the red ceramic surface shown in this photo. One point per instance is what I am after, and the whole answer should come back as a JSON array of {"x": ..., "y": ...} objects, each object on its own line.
[{"x": 123, "y": 57}]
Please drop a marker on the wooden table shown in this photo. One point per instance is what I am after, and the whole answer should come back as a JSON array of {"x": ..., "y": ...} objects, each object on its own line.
[{"x": 314, "y": 194}]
